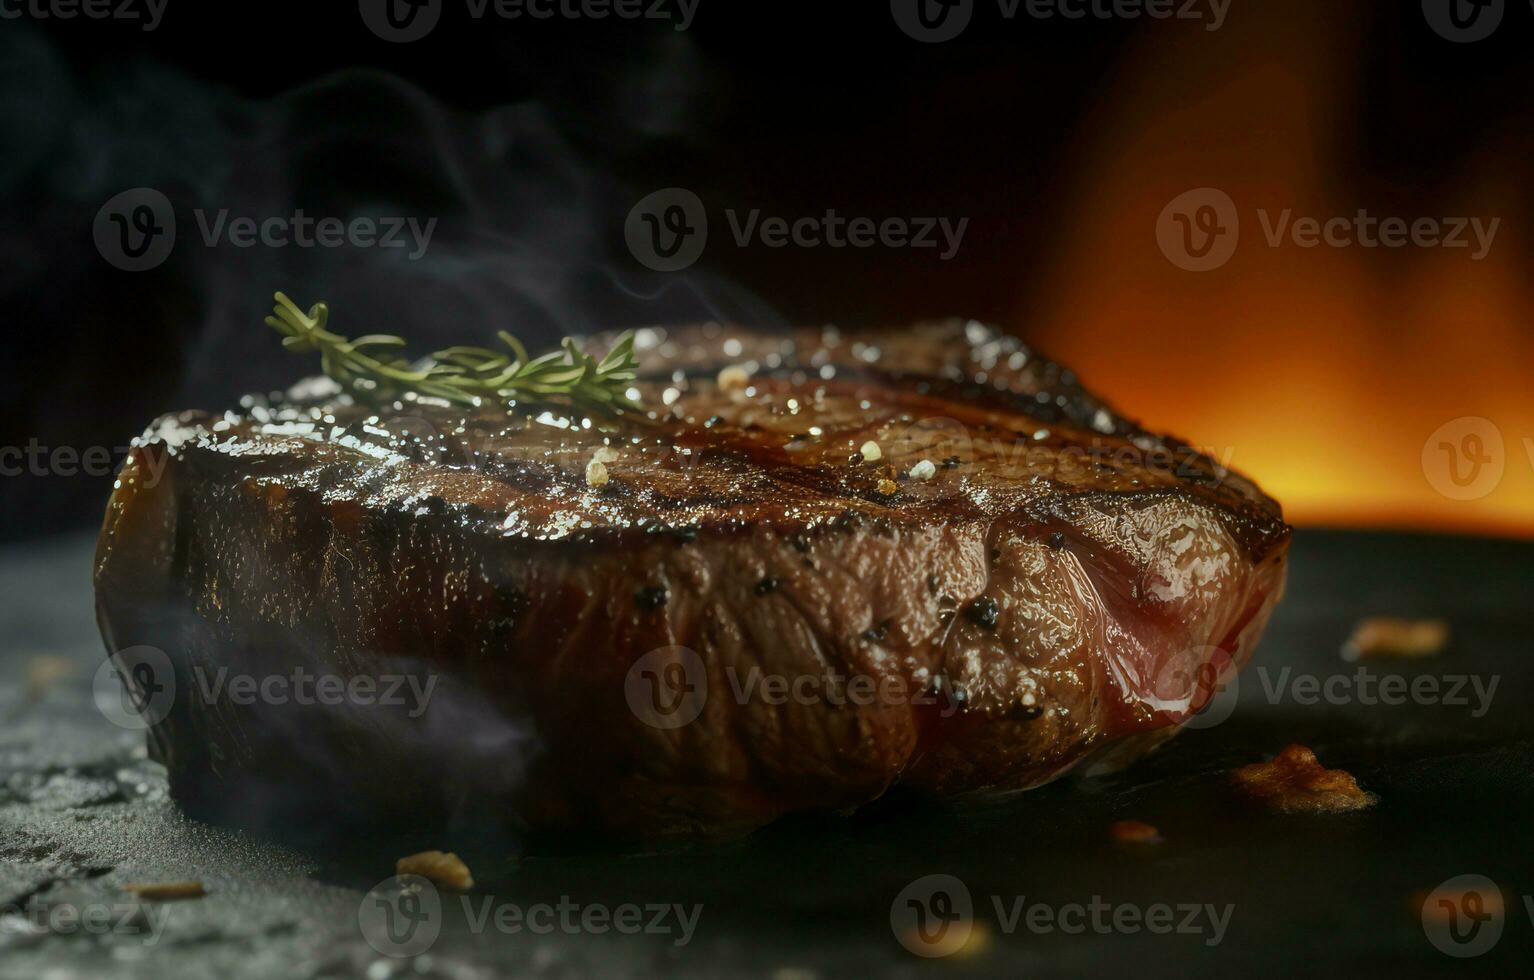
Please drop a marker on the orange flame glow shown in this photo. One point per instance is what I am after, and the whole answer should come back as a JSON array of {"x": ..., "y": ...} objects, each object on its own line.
[{"x": 1323, "y": 371}]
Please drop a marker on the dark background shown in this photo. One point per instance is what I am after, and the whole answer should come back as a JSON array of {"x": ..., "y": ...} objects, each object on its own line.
[{"x": 531, "y": 140}]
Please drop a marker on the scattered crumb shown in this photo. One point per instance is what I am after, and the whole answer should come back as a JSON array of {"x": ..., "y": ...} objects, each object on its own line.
[
  {"x": 167, "y": 891},
  {"x": 605, "y": 454},
  {"x": 925, "y": 470},
  {"x": 888, "y": 487},
  {"x": 45, "y": 671},
  {"x": 871, "y": 452},
  {"x": 596, "y": 473},
  {"x": 1135, "y": 832},
  {"x": 734, "y": 378},
  {"x": 443, "y": 869},
  {"x": 1384, "y": 637},
  {"x": 1295, "y": 782}
]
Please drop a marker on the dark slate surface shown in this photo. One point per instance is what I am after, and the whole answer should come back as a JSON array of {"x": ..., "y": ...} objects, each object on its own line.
[{"x": 82, "y": 813}]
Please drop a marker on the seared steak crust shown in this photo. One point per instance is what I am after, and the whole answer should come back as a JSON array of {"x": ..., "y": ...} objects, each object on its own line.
[{"x": 1020, "y": 579}]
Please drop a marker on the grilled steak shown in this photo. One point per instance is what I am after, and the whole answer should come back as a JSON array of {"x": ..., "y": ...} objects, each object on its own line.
[{"x": 818, "y": 566}]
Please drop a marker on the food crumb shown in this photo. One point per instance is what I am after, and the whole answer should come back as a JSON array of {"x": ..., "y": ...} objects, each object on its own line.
[
  {"x": 1296, "y": 782},
  {"x": 734, "y": 378},
  {"x": 46, "y": 671},
  {"x": 871, "y": 452},
  {"x": 1385, "y": 637},
  {"x": 435, "y": 866},
  {"x": 1134, "y": 832},
  {"x": 596, "y": 473},
  {"x": 167, "y": 891},
  {"x": 925, "y": 470},
  {"x": 605, "y": 454},
  {"x": 888, "y": 487}
]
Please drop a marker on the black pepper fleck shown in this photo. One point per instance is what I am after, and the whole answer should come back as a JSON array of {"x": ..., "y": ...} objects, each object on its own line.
[
  {"x": 952, "y": 462},
  {"x": 984, "y": 612},
  {"x": 766, "y": 585},
  {"x": 652, "y": 596},
  {"x": 855, "y": 458}
]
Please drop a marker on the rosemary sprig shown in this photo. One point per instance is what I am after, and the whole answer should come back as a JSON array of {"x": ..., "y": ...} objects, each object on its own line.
[{"x": 368, "y": 367}]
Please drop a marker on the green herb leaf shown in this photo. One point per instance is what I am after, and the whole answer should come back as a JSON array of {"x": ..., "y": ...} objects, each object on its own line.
[{"x": 369, "y": 368}]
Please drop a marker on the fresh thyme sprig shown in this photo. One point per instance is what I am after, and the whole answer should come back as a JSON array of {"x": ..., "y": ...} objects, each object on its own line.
[{"x": 368, "y": 368}]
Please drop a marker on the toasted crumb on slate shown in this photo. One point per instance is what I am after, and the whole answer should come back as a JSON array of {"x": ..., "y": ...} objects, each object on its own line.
[
  {"x": 167, "y": 891},
  {"x": 45, "y": 672},
  {"x": 1295, "y": 782},
  {"x": 734, "y": 378},
  {"x": 1384, "y": 637},
  {"x": 1134, "y": 832},
  {"x": 435, "y": 866}
]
